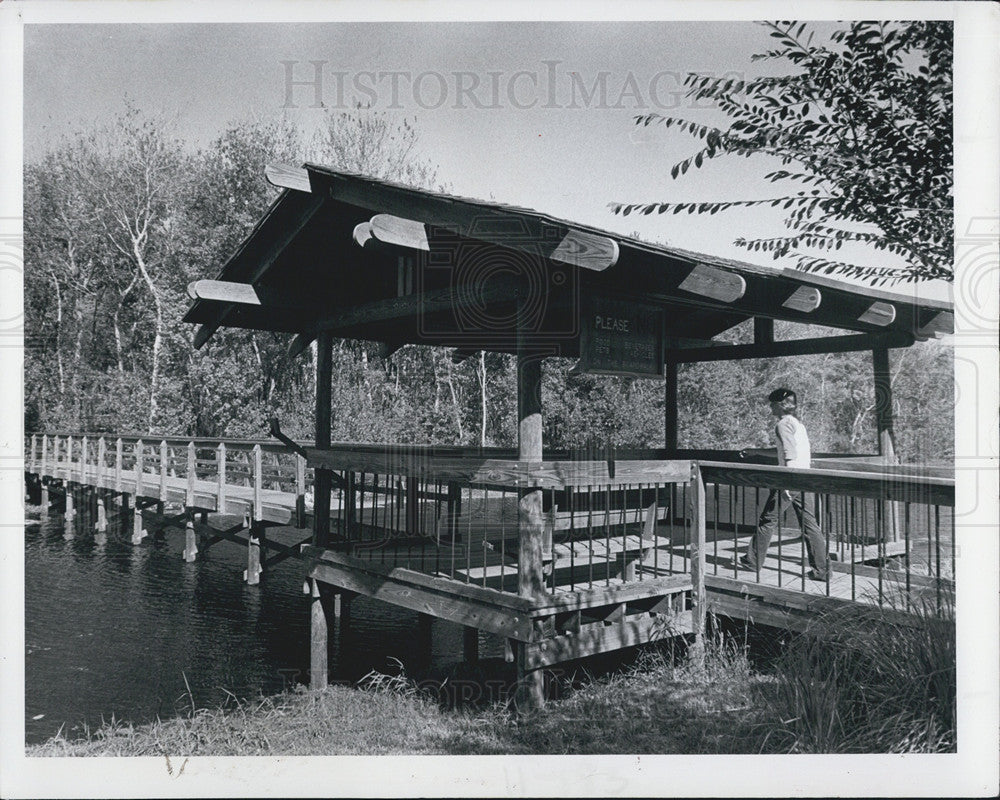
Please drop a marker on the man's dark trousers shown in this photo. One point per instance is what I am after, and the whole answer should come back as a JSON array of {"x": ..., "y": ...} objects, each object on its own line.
[{"x": 767, "y": 525}]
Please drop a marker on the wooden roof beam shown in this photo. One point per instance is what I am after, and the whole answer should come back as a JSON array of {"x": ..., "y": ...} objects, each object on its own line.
[{"x": 792, "y": 347}]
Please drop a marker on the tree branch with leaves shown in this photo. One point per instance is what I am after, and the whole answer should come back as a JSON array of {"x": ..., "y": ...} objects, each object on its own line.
[{"x": 862, "y": 127}]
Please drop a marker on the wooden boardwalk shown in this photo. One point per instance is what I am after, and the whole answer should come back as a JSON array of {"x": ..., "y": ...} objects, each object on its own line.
[{"x": 613, "y": 554}]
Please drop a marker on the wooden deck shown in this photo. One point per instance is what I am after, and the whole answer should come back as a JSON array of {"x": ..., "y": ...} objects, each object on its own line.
[{"x": 619, "y": 553}]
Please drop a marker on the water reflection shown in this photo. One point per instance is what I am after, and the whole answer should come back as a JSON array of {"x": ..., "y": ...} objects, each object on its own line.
[{"x": 115, "y": 629}]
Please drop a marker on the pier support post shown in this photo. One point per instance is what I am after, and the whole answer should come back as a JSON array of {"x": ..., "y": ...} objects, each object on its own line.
[
  {"x": 470, "y": 644},
  {"x": 101, "y": 526},
  {"x": 886, "y": 439},
  {"x": 318, "y": 639},
  {"x": 69, "y": 517},
  {"x": 190, "y": 540},
  {"x": 253, "y": 570},
  {"x": 45, "y": 498},
  {"x": 322, "y": 480},
  {"x": 531, "y": 522},
  {"x": 138, "y": 532},
  {"x": 698, "y": 595}
]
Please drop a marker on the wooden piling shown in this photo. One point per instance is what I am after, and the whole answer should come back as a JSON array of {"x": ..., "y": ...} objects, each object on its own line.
[
  {"x": 190, "y": 540},
  {"x": 101, "y": 526},
  {"x": 45, "y": 499},
  {"x": 220, "y": 466},
  {"x": 698, "y": 596},
  {"x": 323, "y": 478},
  {"x": 318, "y": 640},
  {"x": 531, "y": 522},
  {"x": 470, "y": 644},
  {"x": 138, "y": 531},
  {"x": 69, "y": 515}
]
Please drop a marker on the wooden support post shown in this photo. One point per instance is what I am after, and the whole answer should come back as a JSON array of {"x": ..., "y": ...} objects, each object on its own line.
[
  {"x": 190, "y": 540},
  {"x": 45, "y": 456},
  {"x": 220, "y": 469},
  {"x": 254, "y": 566},
  {"x": 886, "y": 439},
  {"x": 30, "y": 465},
  {"x": 470, "y": 644},
  {"x": 411, "y": 489},
  {"x": 763, "y": 330},
  {"x": 70, "y": 514},
  {"x": 101, "y": 525},
  {"x": 322, "y": 481},
  {"x": 670, "y": 408},
  {"x": 164, "y": 459},
  {"x": 425, "y": 637},
  {"x": 883, "y": 402},
  {"x": 531, "y": 522},
  {"x": 698, "y": 596},
  {"x": 318, "y": 640},
  {"x": 300, "y": 491},
  {"x": 45, "y": 499},
  {"x": 138, "y": 531}
]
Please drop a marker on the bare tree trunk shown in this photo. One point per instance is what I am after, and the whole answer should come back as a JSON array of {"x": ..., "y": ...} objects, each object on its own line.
[
  {"x": 154, "y": 372},
  {"x": 59, "y": 318},
  {"x": 482, "y": 397},
  {"x": 457, "y": 411}
]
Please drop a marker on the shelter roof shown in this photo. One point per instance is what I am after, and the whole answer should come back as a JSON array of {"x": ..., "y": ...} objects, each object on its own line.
[{"x": 372, "y": 259}]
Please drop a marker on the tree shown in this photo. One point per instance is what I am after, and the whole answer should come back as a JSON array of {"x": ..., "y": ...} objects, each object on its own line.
[{"x": 862, "y": 126}]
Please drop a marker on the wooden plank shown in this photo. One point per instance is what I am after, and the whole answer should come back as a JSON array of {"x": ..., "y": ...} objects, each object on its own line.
[
  {"x": 285, "y": 176},
  {"x": 546, "y": 474},
  {"x": 804, "y": 299},
  {"x": 581, "y": 599},
  {"x": 940, "y": 324},
  {"x": 598, "y": 637},
  {"x": 392, "y": 588},
  {"x": 879, "y": 313},
  {"x": 793, "y": 347},
  {"x": 939, "y": 491},
  {"x": 586, "y": 250},
  {"x": 224, "y": 292},
  {"x": 393, "y": 230},
  {"x": 435, "y": 583},
  {"x": 717, "y": 284}
]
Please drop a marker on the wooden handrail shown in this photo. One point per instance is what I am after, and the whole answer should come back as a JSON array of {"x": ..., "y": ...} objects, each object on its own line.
[{"x": 880, "y": 485}]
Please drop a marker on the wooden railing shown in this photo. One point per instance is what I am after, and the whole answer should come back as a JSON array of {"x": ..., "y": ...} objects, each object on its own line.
[{"x": 890, "y": 533}]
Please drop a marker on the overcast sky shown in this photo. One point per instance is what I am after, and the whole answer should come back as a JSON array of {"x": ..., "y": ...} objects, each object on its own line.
[{"x": 533, "y": 114}]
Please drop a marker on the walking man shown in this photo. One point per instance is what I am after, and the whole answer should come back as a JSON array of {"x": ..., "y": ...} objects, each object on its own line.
[{"x": 793, "y": 451}]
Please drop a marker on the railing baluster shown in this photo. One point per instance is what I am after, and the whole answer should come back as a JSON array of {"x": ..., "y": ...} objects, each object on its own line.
[
  {"x": 138, "y": 468},
  {"x": 119, "y": 456},
  {"x": 220, "y": 469},
  {"x": 191, "y": 474},
  {"x": 164, "y": 458}
]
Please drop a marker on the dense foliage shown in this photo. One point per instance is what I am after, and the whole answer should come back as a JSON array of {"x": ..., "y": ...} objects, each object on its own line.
[
  {"x": 861, "y": 125},
  {"x": 119, "y": 220}
]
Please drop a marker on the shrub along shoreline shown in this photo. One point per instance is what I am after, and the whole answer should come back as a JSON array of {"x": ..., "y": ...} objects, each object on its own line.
[{"x": 857, "y": 682}]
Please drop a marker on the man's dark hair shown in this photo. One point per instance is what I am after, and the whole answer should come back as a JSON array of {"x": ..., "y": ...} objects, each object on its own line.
[{"x": 782, "y": 394}]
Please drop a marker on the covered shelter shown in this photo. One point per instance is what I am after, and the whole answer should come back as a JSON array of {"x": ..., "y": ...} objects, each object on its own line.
[{"x": 344, "y": 255}]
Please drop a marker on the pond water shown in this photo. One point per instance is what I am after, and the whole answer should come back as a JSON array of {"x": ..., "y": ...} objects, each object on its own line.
[{"x": 135, "y": 633}]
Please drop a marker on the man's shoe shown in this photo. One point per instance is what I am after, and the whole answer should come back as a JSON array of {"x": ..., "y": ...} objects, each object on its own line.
[
  {"x": 813, "y": 575},
  {"x": 743, "y": 563}
]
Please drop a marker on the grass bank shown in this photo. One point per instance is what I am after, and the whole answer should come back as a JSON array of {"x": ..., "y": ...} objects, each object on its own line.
[{"x": 857, "y": 682}]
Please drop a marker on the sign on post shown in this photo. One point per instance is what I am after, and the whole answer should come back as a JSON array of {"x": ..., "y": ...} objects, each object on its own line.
[{"x": 620, "y": 337}]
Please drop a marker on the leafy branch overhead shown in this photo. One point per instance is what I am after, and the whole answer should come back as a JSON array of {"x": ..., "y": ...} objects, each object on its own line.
[{"x": 862, "y": 129}]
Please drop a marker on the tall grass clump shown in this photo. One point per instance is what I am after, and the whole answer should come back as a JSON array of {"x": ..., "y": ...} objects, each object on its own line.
[{"x": 869, "y": 680}]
